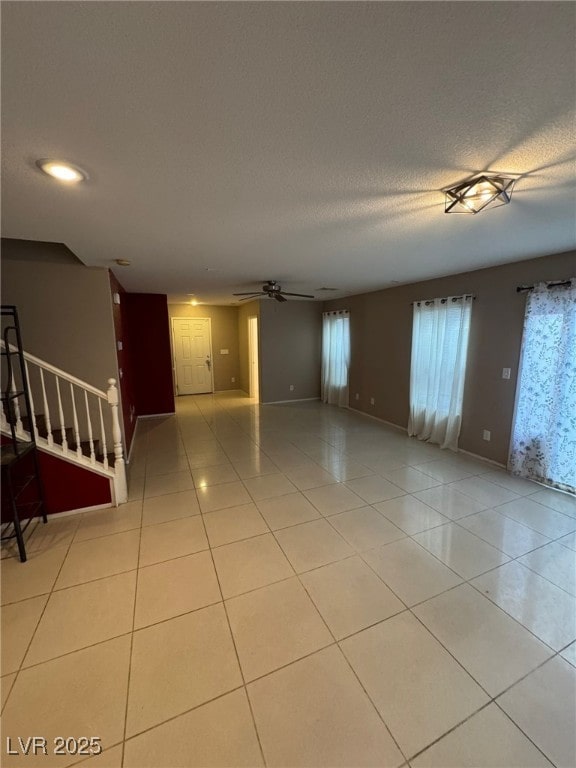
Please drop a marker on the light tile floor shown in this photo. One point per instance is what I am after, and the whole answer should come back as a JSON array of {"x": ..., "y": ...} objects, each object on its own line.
[{"x": 297, "y": 585}]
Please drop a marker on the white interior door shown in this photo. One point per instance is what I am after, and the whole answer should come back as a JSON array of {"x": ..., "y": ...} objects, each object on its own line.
[
  {"x": 253, "y": 357},
  {"x": 192, "y": 355}
]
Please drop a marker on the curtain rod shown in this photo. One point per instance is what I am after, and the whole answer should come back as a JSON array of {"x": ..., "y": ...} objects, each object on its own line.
[
  {"x": 521, "y": 288},
  {"x": 427, "y": 302}
]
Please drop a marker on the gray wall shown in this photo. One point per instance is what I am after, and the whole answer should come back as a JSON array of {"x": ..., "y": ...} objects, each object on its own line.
[
  {"x": 65, "y": 308},
  {"x": 381, "y": 331},
  {"x": 224, "y": 325},
  {"x": 290, "y": 350}
]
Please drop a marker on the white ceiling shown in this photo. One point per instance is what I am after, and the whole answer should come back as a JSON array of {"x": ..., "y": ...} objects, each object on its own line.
[{"x": 230, "y": 143}]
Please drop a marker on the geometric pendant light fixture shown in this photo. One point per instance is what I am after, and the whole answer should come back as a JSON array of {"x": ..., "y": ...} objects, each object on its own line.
[{"x": 479, "y": 193}]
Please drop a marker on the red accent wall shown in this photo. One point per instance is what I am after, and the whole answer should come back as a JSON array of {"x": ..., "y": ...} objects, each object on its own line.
[
  {"x": 146, "y": 328},
  {"x": 66, "y": 486},
  {"x": 129, "y": 413}
]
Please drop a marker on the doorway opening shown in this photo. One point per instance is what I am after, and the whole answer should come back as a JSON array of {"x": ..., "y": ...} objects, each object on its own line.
[
  {"x": 192, "y": 346},
  {"x": 253, "y": 368}
]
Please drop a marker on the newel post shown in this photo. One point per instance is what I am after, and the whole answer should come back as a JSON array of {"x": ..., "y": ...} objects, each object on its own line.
[{"x": 119, "y": 467}]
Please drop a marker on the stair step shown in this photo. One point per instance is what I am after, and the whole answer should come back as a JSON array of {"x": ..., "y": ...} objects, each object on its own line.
[
  {"x": 40, "y": 423},
  {"x": 57, "y": 435},
  {"x": 100, "y": 458},
  {"x": 70, "y": 438}
]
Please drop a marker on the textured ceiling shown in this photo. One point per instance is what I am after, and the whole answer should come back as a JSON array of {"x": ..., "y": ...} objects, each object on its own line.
[{"x": 230, "y": 143}]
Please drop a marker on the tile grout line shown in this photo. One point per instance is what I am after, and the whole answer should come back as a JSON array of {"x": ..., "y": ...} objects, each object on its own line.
[
  {"x": 298, "y": 575},
  {"x": 497, "y": 704},
  {"x": 358, "y": 553},
  {"x": 336, "y": 642},
  {"x": 234, "y": 644},
  {"x": 130, "y": 654},
  {"x": 20, "y": 667}
]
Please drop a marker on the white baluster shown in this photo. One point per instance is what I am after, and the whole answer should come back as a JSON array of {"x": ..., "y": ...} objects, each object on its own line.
[
  {"x": 90, "y": 440},
  {"x": 46, "y": 410},
  {"x": 75, "y": 418},
  {"x": 103, "y": 435},
  {"x": 119, "y": 467},
  {"x": 33, "y": 412},
  {"x": 16, "y": 406},
  {"x": 61, "y": 417}
]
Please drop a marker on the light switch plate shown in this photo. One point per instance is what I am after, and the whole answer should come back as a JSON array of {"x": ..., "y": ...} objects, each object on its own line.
[
  {"x": 505, "y": 373},
  {"x": 224, "y": 352}
]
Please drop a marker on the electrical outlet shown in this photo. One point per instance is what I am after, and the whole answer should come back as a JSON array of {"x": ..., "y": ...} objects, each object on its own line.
[
  {"x": 505, "y": 373},
  {"x": 486, "y": 435},
  {"x": 357, "y": 396},
  {"x": 291, "y": 387},
  {"x": 233, "y": 379},
  {"x": 372, "y": 401}
]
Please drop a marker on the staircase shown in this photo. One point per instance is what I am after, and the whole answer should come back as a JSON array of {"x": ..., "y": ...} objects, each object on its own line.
[{"x": 72, "y": 420}]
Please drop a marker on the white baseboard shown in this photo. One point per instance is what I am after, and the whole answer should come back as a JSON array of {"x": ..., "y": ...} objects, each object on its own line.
[
  {"x": 482, "y": 458},
  {"x": 296, "y": 400},
  {"x": 133, "y": 441},
  {"x": 375, "y": 418},
  {"x": 70, "y": 512},
  {"x": 405, "y": 430},
  {"x": 155, "y": 415}
]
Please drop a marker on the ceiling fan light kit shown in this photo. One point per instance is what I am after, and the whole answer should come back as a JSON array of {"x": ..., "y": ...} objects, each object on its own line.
[
  {"x": 273, "y": 290},
  {"x": 479, "y": 193}
]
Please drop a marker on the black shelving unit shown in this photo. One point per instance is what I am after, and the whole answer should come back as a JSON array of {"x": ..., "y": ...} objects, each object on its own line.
[{"x": 19, "y": 456}]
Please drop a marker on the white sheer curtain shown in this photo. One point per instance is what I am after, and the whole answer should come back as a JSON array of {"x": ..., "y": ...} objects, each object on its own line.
[
  {"x": 543, "y": 444},
  {"x": 439, "y": 348},
  {"x": 335, "y": 357}
]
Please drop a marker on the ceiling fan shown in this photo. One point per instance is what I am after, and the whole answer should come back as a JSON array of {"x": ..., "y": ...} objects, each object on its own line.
[{"x": 272, "y": 289}]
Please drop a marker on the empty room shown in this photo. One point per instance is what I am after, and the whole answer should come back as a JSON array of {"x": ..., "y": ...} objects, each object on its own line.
[{"x": 288, "y": 384}]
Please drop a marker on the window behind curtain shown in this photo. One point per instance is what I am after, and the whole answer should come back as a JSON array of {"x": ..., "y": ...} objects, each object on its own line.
[
  {"x": 440, "y": 335},
  {"x": 335, "y": 357},
  {"x": 543, "y": 444}
]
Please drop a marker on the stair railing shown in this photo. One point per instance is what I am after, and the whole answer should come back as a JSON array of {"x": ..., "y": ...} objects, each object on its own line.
[{"x": 75, "y": 414}]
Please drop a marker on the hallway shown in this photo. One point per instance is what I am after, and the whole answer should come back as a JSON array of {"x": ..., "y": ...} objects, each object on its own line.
[{"x": 297, "y": 585}]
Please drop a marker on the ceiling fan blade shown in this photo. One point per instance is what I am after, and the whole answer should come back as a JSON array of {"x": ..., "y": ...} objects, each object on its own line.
[
  {"x": 279, "y": 297},
  {"x": 248, "y": 293},
  {"x": 247, "y": 298},
  {"x": 302, "y": 295}
]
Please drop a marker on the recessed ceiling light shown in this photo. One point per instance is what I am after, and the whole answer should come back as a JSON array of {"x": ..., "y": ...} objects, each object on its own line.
[
  {"x": 62, "y": 171},
  {"x": 122, "y": 262},
  {"x": 193, "y": 302}
]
